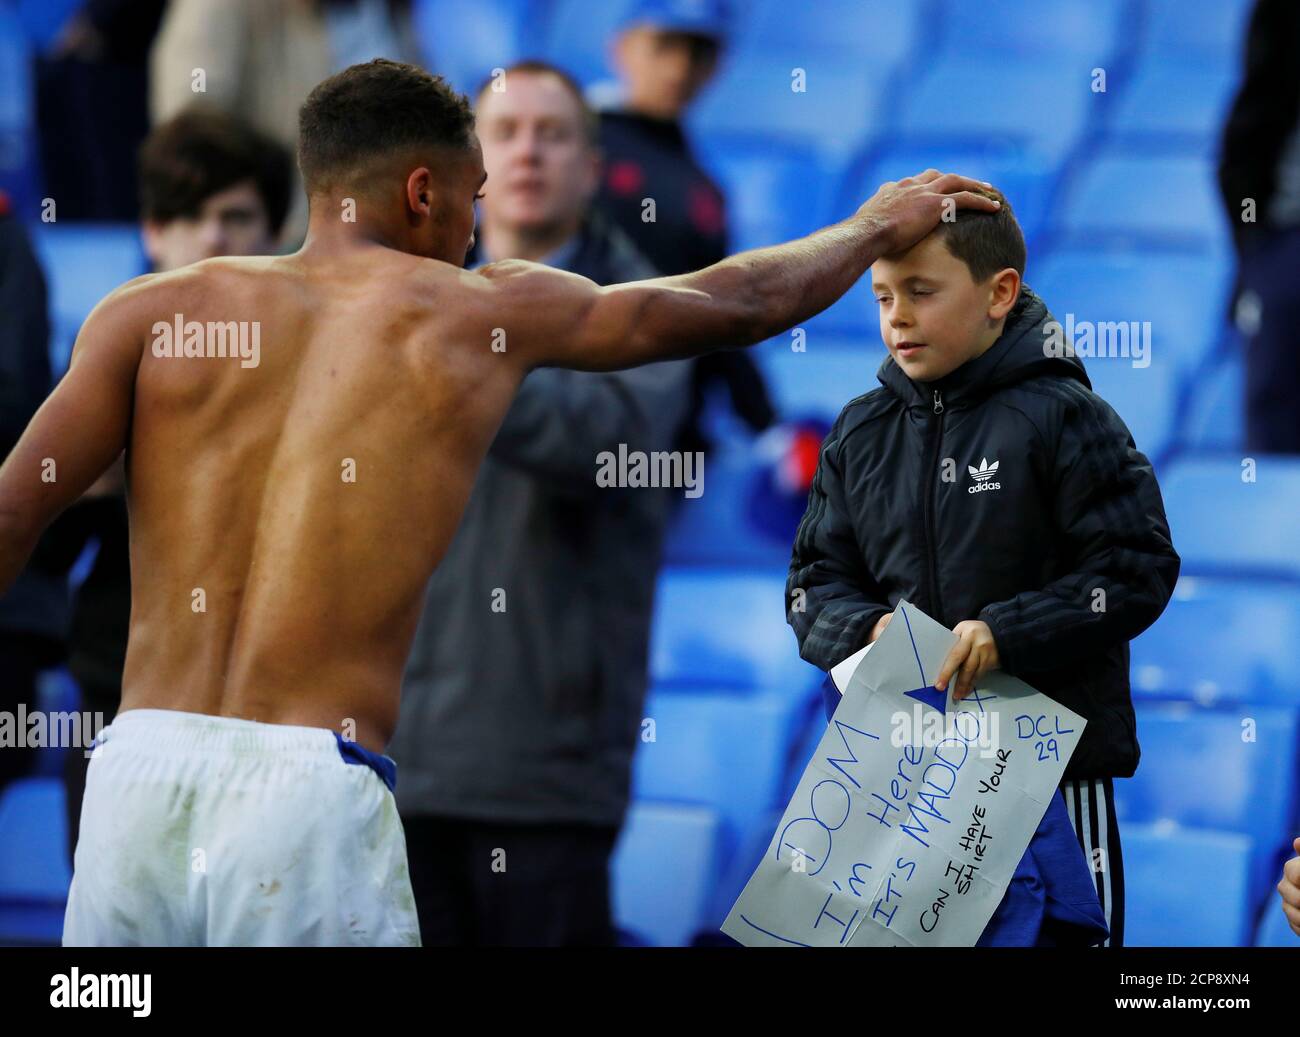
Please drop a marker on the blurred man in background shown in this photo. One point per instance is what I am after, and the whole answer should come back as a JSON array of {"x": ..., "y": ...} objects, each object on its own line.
[
  {"x": 523, "y": 694},
  {"x": 210, "y": 185},
  {"x": 33, "y": 612},
  {"x": 1259, "y": 175},
  {"x": 666, "y": 52}
]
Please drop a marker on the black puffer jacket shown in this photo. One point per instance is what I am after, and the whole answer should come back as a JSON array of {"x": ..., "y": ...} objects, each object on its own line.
[{"x": 1063, "y": 549}]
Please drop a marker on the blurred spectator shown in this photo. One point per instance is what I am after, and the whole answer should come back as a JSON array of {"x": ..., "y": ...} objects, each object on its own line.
[
  {"x": 92, "y": 107},
  {"x": 209, "y": 186},
  {"x": 666, "y": 52},
  {"x": 523, "y": 695},
  {"x": 1260, "y": 168},
  {"x": 34, "y": 611},
  {"x": 258, "y": 59}
]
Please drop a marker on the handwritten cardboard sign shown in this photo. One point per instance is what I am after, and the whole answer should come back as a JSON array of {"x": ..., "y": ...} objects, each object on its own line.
[{"x": 913, "y": 813}]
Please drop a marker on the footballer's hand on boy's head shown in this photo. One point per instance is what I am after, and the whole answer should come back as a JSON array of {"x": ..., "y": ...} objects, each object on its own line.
[
  {"x": 907, "y": 210},
  {"x": 974, "y": 654}
]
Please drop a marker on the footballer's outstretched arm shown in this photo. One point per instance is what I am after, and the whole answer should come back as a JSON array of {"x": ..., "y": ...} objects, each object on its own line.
[{"x": 555, "y": 318}]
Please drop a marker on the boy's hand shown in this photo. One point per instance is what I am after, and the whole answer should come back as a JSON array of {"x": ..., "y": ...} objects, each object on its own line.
[
  {"x": 970, "y": 659},
  {"x": 879, "y": 628},
  {"x": 1289, "y": 887}
]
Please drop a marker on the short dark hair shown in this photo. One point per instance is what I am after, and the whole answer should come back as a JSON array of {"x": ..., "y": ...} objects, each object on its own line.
[
  {"x": 374, "y": 109},
  {"x": 201, "y": 152},
  {"x": 986, "y": 241},
  {"x": 586, "y": 114}
]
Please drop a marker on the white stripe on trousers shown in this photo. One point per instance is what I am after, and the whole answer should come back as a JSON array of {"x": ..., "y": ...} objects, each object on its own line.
[{"x": 1092, "y": 804}]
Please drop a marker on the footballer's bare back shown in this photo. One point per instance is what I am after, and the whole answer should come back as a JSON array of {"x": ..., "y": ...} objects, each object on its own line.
[{"x": 287, "y": 509}]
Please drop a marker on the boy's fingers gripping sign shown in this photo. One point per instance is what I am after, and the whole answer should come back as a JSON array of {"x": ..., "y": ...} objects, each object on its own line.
[{"x": 974, "y": 654}]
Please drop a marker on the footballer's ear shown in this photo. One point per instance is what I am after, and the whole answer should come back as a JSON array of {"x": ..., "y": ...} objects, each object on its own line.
[
  {"x": 1004, "y": 290},
  {"x": 420, "y": 191}
]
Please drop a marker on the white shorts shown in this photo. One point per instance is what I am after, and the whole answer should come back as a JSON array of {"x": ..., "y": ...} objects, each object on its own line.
[{"x": 210, "y": 831}]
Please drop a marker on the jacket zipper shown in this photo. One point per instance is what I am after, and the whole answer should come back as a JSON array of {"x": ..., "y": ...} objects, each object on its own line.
[{"x": 931, "y": 535}]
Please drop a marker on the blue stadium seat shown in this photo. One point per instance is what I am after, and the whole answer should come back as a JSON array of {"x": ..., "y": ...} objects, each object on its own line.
[
  {"x": 578, "y": 35},
  {"x": 1030, "y": 108},
  {"x": 717, "y": 749},
  {"x": 42, "y": 20},
  {"x": 1185, "y": 887},
  {"x": 1172, "y": 108},
  {"x": 1274, "y": 931},
  {"x": 1160, "y": 202},
  {"x": 59, "y": 697},
  {"x": 773, "y": 194},
  {"x": 83, "y": 262},
  {"x": 1220, "y": 642},
  {"x": 1183, "y": 295},
  {"x": 853, "y": 317},
  {"x": 18, "y": 162},
  {"x": 464, "y": 40},
  {"x": 737, "y": 869},
  {"x": 819, "y": 382},
  {"x": 1145, "y": 398},
  {"x": 664, "y": 866},
  {"x": 813, "y": 726},
  {"x": 1223, "y": 525},
  {"x": 15, "y": 74},
  {"x": 1243, "y": 786},
  {"x": 1090, "y": 30},
  {"x": 1215, "y": 418},
  {"x": 1204, "y": 34},
  {"x": 725, "y": 524},
  {"x": 34, "y": 869},
  {"x": 753, "y": 101},
  {"x": 717, "y": 629},
  {"x": 867, "y": 31}
]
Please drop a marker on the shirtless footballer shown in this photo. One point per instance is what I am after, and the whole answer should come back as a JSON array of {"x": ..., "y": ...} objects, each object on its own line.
[{"x": 288, "y": 502}]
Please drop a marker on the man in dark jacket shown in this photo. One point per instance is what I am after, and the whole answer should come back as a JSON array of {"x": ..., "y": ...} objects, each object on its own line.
[
  {"x": 1259, "y": 176},
  {"x": 666, "y": 52},
  {"x": 988, "y": 484},
  {"x": 523, "y": 694}
]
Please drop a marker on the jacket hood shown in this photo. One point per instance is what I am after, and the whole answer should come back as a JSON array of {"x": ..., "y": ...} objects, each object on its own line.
[{"x": 1017, "y": 355}]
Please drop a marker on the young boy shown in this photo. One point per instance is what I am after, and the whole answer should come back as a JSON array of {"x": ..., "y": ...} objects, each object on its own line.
[{"x": 985, "y": 482}]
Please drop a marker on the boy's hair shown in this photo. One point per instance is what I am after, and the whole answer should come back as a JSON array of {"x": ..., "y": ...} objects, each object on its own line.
[
  {"x": 986, "y": 241},
  {"x": 587, "y": 115},
  {"x": 201, "y": 152},
  {"x": 374, "y": 109}
]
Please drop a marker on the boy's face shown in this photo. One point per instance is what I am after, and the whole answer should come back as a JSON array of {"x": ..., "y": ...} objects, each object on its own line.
[{"x": 934, "y": 316}]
